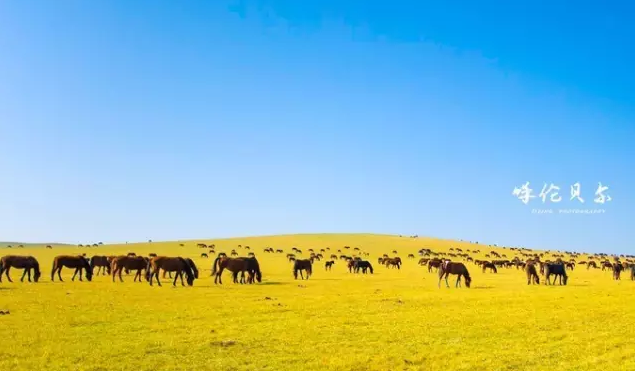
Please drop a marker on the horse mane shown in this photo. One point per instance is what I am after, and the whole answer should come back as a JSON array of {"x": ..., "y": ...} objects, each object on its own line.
[{"x": 188, "y": 269}]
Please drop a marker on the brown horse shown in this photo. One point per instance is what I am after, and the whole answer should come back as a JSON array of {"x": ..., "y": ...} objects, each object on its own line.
[
  {"x": 591, "y": 264},
  {"x": 458, "y": 269},
  {"x": 20, "y": 262},
  {"x": 617, "y": 270},
  {"x": 236, "y": 265},
  {"x": 558, "y": 270},
  {"x": 130, "y": 263},
  {"x": 489, "y": 265},
  {"x": 532, "y": 274},
  {"x": 169, "y": 264},
  {"x": 102, "y": 263},
  {"x": 392, "y": 262},
  {"x": 434, "y": 263},
  {"x": 302, "y": 265},
  {"x": 71, "y": 261},
  {"x": 328, "y": 265}
]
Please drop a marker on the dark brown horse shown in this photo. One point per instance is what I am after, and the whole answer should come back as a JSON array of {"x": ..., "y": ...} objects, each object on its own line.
[
  {"x": 130, "y": 263},
  {"x": 558, "y": 270},
  {"x": 102, "y": 263},
  {"x": 169, "y": 264},
  {"x": 617, "y": 270},
  {"x": 236, "y": 265},
  {"x": 302, "y": 265},
  {"x": 447, "y": 268},
  {"x": 532, "y": 274},
  {"x": 71, "y": 261},
  {"x": 489, "y": 265},
  {"x": 392, "y": 262},
  {"x": 20, "y": 262},
  {"x": 328, "y": 265},
  {"x": 591, "y": 264}
]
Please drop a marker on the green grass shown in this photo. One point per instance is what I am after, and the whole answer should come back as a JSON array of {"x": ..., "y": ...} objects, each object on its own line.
[{"x": 391, "y": 320}]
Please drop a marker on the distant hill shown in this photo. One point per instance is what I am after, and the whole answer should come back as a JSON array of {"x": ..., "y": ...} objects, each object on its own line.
[{"x": 25, "y": 244}]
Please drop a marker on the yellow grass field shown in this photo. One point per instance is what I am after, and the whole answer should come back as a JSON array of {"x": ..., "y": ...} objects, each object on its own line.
[{"x": 391, "y": 320}]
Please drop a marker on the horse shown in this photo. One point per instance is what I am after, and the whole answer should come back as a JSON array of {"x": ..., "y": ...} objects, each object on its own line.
[
  {"x": 617, "y": 270},
  {"x": 169, "y": 264},
  {"x": 570, "y": 266},
  {"x": 236, "y": 265},
  {"x": 435, "y": 263},
  {"x": 20, "y": 262},
  {"x": 394, "y": 262},
  {"x": 591, "y": 264},
  {"x": 489, "y": 265},
  {"x": 458, "y": 269},
  {"x": 102, "y": 263},
  {"x": 532, "y": 275},
  {"x": 203, "y": 255},
  {"x": 364, "y": 265},
  {"x": 328, "y": 265},
  {"x": 71, "y": 261},
  {"x": 558, "y": 270},
  {"x": 633, "y": 272},
  {"x": 130, "y": 263},
  {"x": 302, "y": 265}
]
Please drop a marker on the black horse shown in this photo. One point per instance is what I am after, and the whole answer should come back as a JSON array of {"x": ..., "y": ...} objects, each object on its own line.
[
  {"x": 328, "y": 265},
  {"x": 558, "y": 270},
  {"x": 302, "y": 265},
  {"x": 364, "y": 265}
]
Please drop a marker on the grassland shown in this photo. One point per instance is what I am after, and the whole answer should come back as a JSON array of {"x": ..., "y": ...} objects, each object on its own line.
[{"x": 391, "y": 320}]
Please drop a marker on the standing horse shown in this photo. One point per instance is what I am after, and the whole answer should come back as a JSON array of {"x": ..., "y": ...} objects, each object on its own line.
[
  {"x": 20, "y": 262},
  {"x": 458, "y": 269},
  {"x": 489, "y": 265},
  {"x": 364, "y": 265},
  {"x": 71, "y": 261},
  {"x": 617, "y": 270},
  {"x": 176, "y": 264},
  {"x": 532, "y": 275},
  {"x": 328, "y": 265},
  {"x": 130, "y": 263},
  {"x": 558, "y": 270},
  {"x": 302, "y": 265},
  {"x": 102, "y": 263},
  {"x": 236, "y": 265}
]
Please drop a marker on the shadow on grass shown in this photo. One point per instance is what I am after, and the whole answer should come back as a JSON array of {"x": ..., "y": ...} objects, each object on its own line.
[
  {"x": 267, "y": 283},
  {"x": 482, "y": 287}
]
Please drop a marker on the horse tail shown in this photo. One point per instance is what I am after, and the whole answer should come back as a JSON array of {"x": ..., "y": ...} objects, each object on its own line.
[
  {"x": 53, "y": 269},
  {"x": 370, "y": 266},
  {"x": 215, "y": 265}
]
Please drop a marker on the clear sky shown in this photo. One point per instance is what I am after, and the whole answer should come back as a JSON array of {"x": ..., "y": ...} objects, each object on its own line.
[{"x": 135, "y": 120}]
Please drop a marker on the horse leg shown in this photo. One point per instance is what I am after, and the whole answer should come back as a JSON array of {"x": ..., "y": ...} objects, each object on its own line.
[
  {"x": 181, "y": 275},
  {"x": 80, "y": 273},
  {"x": 59, "y": 274},
  {"x": 8, "y": 277},
  {"x": 157, "y": 276},
  {"x": 446, "y": 280},
  {"x": 75, "y": 274},
  {"x": 176, "y": 276},
  {"x": 26, "y": 270},
  {"x": 458, "y": 281}
]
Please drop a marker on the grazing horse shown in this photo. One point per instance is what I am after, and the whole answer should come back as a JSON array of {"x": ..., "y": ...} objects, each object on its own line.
[
  {"x": 532, "y": 275},
  {"x": 203, "y": 255},
  {"x": 591, "y": 264},
  {"x": 130, "y": 263},
  {"x": 435, "y": 263},
  {"x": 328, "y": 265},
  {"x": 459, "y": 269},
  {"x": 302, "y": 265},
  {"x": 364, "y": 265},
  {"x": 617, "y": 270},
  {"x": 20, "y": 262},
  {"x": 236, "y": 265},
  {"x": 489, "y": 265},
  {"x": 393, "y": 262},
  {"x": 71, "y": 261},
  {"x": 102, "y": 263},
  {"x": 570, "y": 266},
  {"x": 169, "y": 264},
  {"x": 558, "y": 270}
]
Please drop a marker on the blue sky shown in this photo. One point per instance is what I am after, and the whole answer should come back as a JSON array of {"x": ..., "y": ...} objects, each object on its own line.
[{"x": 128, "y": 121}]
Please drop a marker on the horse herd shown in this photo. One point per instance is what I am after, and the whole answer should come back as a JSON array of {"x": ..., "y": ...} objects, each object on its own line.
[
  {"x": 249, "y": 269},
  {"x": 153, "y": 265}
]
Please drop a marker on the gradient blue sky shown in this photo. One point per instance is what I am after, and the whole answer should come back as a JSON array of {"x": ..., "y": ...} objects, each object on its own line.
[{"x": 136, "y": 120}]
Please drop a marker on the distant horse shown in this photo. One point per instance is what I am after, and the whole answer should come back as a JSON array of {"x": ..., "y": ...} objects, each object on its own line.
[
  {"x": 328, "y": 265},
  {"x": 302, "y": 265},
  {"x": 558, "y": 270},
  {"x": 169, "y": 264},
  {"x": 364, "y": 265},
  {"x": 489, "y": 265},
  {"x": 617, "y": 271},
  {"x": 591, "y": 264},
  {"x": 236, "y": 265},
  {"x": 532, "y": 275},
  {"x": 102, "y": 264},
  {"x": 569, "y": 266},
  {"x": 130, "y": 263},
  {"x": 71, "y": 261},
  {"x": 152, "y": 255},
  {"x": 411, "y": 256},
  {"x": 458, "y": 269},
  {"x": 203, "y": 255},
  {"x": 20, "y": 262}
]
